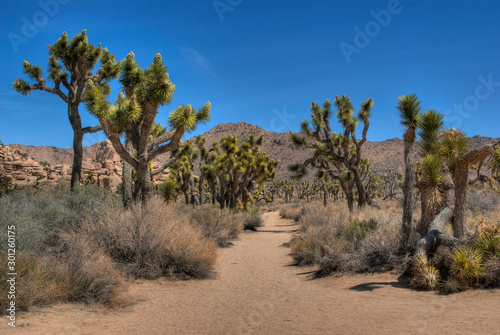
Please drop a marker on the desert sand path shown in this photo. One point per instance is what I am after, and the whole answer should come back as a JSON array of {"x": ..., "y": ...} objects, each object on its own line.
[{"x": 257, "y": 292}]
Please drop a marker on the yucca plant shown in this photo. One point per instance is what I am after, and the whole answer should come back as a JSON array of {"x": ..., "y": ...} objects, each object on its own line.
[
  {"x": 488, "y": 244},
  {"x": 466, "y": 264},
  {"x": 426, "y": 276}
]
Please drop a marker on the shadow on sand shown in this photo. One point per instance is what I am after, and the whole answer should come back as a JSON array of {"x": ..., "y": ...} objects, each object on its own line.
[{"x": 402, "y": 282}]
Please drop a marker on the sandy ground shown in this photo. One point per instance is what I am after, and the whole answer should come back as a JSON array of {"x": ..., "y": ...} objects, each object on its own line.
[{"x": 256, "y": 291}]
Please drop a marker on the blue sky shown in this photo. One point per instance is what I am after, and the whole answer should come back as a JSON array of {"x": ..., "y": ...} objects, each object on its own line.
[{"x": 265, "y": 61}]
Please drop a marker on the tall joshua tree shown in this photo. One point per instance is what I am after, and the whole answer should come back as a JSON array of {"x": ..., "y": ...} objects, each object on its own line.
[
  {"x": 432, "y": 183},
  {"x": 455, "y": 151},
  {"x": 70, "y": 65},
  {"x": 146, "y": 91},
  {"x": 409, "y": 109},
  {"x": 339, "y": 155}
]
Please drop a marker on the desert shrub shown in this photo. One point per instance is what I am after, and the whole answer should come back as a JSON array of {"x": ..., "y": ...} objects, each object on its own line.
[
  {"x": 355, "y": 231},
  {"x": 474, "y": 264},
  {"x": 152, "y": 240},
  {"x": 92, "y": 276},
  {"x": 252, "y": 219},
  {"x": 309, "y": 249},
  {"x": 366, "y": 242},
  {"x": 5, "y": 184},
  {"x": 41, "y": 214},
  {"x": 222, "y": 226},
  {"x": 490, "y": 277},
  {"x": 379, "y": 251},
  {"x": 39, "y": 281},
  {"x": 292, "y": 211},
  {"x": 80, "y": 273}
]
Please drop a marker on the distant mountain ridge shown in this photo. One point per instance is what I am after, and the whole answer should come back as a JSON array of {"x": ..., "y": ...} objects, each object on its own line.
[{"x": 383, "y": 155}]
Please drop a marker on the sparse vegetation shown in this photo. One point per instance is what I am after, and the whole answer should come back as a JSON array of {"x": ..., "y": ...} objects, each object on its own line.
[{"x": 336, "y": 242}]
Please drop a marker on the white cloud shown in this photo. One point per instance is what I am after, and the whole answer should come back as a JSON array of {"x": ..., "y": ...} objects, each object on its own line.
[{"x": 198, "y": 60}]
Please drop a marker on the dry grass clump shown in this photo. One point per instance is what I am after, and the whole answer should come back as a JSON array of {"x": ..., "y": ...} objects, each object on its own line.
[
  {"x": 81, "y": 274},
  {"x": 91, "y": 274},
  {"x": 292, "y": 211},
  {"x": 222, "y": 226},
  {"x": 252, "y": 219},
  {"x": 366, "y": 242},
  {"x": 152, "y": 240},
  {"x": 41, "y": 214}
]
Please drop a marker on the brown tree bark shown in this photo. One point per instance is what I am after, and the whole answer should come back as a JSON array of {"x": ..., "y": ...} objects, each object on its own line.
[{"x": 409, "y": 186}]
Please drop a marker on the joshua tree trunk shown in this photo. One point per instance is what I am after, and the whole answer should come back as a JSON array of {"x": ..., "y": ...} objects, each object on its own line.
[
  {"x": 127, "y": 176},
  {"x": 143, "y": 185},
  {"x": 460, "y": 180},
  {"x": 76, "y": 124},
  {"x": 409, "y": 185}
]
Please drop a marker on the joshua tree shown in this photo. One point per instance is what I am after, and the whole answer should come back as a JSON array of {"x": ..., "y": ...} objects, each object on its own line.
[
  {"x": 432, "y": 183},
  {"x": 409, "y": 109},
  {"x": 234, "y": 171},
  {"x": 78, "y": 58},
  {"x": 455, "y": 150},
  {"x": 336, "y": 154},
  {"x": 181, "y": 169},
  {"x": 134, "y": 114}
]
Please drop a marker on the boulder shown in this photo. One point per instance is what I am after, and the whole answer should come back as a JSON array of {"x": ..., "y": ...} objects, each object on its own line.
[{"x": 87, "y": 166}]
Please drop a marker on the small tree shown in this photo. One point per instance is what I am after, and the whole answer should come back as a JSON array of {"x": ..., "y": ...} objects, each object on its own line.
[{"x": 78, "y": 59}]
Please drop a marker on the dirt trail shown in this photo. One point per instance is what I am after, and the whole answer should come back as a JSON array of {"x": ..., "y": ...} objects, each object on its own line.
[{"x": 256, "y": 291}]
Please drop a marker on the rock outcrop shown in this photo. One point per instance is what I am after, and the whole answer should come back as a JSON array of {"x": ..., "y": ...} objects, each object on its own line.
[{"x": 105, "y": 167}]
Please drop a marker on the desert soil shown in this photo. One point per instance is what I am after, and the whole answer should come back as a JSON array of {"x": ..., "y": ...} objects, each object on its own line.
[{"x": 257, "y": 291}]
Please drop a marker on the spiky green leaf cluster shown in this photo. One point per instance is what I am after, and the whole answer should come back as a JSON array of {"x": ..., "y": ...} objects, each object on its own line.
[
  {"x": 33, "y": 71},
  {"x": 95, "y": 98},
  {"x": 409, "y": 109},
  {"x": 365, "y": 110},
  {"x": 430, "y": 124},
  {"x": 21, "y": 86},
  {"x": 345, "y": 112},
  {"x": 125, "y": 111},
  {"x": 432, "y": 170},
  {"x": 454, "y": 146}
]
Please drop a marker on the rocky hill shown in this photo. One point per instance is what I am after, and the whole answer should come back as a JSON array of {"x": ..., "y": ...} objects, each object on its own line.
[{"x": 27, "y": 163}]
